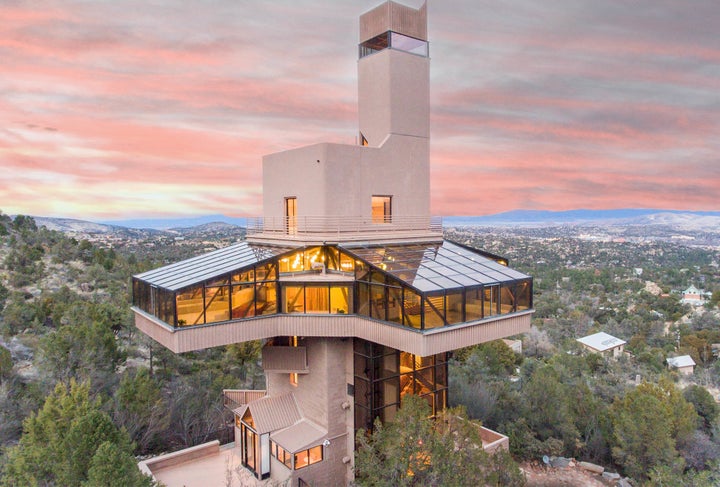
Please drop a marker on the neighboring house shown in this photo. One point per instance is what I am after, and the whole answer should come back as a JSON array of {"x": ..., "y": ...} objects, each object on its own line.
[
  {"x": 603, "y": 344},
  {"x": 693, "y": 296},
  {"x": 347, "y": 281},
  {"x": 684, "y": 364}
]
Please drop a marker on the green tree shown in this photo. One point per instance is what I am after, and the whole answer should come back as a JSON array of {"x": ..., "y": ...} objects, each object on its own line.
[
  {"x": 60, "y": 441},
  {"x": 666, "y": 476},
  {"x": 83, "y": 349},
  {"x": 140, "y": 408},
  {"x": 715, "y": 298},
  {"x": 648, "y": 424},
  {"x": 704, "y": 405},
  {"x": 4, "y": 293},
  {"x": 414, "y": 450},
  {"x": 113, "y": 466},
  {"x": 6, "y": 363}
]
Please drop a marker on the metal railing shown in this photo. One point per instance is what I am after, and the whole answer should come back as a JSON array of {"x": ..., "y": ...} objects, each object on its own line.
[
  {"x": 342, "y": 226},
  {"x": 234, "y": 398}
]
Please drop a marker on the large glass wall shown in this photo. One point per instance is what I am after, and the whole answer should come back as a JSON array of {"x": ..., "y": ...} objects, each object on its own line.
[
  {"x": 379, "y": 291},
  {"x": 384, "y": 375},
  {"x": 317, "y": 298}
]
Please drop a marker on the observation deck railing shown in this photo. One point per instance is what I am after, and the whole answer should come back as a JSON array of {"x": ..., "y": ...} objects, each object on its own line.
[{"x": 342, "y": 226}]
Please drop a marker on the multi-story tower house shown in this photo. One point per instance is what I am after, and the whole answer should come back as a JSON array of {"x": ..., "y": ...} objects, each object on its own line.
[{"x": 346, "y": 278}]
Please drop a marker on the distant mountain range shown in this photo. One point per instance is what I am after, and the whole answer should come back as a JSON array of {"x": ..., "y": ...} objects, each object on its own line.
[
  {"x": 168, "y": 223},
  {"x": 621, "y": 216},
  {"x": 688, "y": 220}
]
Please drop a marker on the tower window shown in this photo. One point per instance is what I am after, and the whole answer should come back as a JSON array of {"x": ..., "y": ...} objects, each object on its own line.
[
  {"x": 291, "y": 215},
  {"x": 382, "y": 209},
  {"x": 394, "y": 40}
]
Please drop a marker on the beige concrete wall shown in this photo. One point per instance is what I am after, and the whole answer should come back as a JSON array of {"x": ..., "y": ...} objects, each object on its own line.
[
  {"x": 393, "y": 95},
  {"x": 340, "y": 326},
  {"x": 343, "y": 182},
  {"x": 320, "y": 395}
]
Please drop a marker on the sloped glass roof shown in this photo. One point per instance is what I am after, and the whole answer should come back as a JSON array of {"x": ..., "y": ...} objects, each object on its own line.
[
  {"x": 426, "y": 267},
  {"x": 213, "y": 264},
  {"x": 435, "y": 267}
]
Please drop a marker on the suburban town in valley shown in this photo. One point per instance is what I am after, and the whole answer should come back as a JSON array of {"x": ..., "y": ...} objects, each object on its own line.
[{"x": 349, "y": 336}]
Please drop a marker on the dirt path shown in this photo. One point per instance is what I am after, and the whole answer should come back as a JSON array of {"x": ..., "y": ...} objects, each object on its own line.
[{"x": 572, "y": 476}]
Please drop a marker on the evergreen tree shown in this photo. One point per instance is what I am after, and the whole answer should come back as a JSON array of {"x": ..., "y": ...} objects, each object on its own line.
[
  {"x": 415, "y": 450},
  {"x": 60, "y": 442}
]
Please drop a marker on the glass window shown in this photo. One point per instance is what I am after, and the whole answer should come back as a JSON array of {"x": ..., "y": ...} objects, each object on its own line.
[
  {"x": 490, "y": 304},
  {"x": 247, "y": 275},
  {"x": 454, "y": 307},
  {"x": 314, "y": 259},
  {"x": 507, "y": 298},
  {"x": 523, "y": 294},
  {"x": 388, "y": 413},
  {"x": 434, "y": 311},
  {"x": 408, "y": 44},
  {"x": 389, "y": 366},
  {"x": 394, "y": 305},
  {"x": 167, "y": 306},
  {"x": 341, "y": 299},
  {"x": 317, "y": 299},
  {"x": 332, "y": 258},
  {"x": 363, "y": 419},
  {"x": 266, "y": 272},
  {"x": 189, "y": 304},
  {"x": 219, "y": 281},
  {"x": 315, "y": 454},
  {"x": 217, "y": 304},
  {"x": 266, "y": 298},
  {"x": 292, "y": 263},
  {"x": 382, "y": 209},
  {"x": 363, "y": 299},
  {"x": 474, "y": 304},
  {"x": 413, "y": 308},
  {"x": 361, "y": 271},
  {"x": 377, "y": 301},
  {"x": 243, "y": 301},
  {"x": 293, "y": 299},
  {"x": 291, "y": 215},
  {"x": 347, "y": 263},
  {"x": 302, "y": 459},
  {"x": 377, "y": 43}
]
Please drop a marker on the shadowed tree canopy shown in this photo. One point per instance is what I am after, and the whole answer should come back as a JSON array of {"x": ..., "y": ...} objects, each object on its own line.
[{"x": 415, "y": 450}]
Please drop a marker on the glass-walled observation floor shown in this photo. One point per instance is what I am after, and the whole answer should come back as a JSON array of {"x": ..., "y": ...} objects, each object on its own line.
[{"x": 421, "y": 286}]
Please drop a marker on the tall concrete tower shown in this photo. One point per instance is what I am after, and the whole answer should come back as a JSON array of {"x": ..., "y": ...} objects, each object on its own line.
[{"x": 346, "y": 279}]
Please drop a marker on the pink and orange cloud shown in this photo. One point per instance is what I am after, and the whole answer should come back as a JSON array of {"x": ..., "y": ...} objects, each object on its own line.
[{"x": 127, "y": 109}]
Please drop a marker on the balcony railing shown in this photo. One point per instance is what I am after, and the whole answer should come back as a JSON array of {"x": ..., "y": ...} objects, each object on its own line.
[
  {"x": 342, "y": 226},
  {"x": 234, "y": 398}
]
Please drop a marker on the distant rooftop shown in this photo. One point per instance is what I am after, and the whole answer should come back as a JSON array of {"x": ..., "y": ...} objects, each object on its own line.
[
  {"x": 601, "y": 341},
  {"x": 681, "y": 361}
]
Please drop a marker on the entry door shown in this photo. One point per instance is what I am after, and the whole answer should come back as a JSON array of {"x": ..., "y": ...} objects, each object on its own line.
[
  {"x": 291, "y": 215},
  {"x": 249, "y": 448}
]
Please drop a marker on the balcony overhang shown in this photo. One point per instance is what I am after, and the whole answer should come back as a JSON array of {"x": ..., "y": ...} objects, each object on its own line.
[
  {"x": 423, "y": 343},
  {"x": 285, "y": 360}
]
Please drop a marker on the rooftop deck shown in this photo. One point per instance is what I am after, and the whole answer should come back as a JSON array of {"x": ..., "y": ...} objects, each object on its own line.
[
  {"x": 212, "y": 465},
  {"x": 206, "y": 465},
  {"x": 316, "y": 230}
]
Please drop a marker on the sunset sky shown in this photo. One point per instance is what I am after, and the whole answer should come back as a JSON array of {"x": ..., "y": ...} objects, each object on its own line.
[{"x": 113, "y": 109}]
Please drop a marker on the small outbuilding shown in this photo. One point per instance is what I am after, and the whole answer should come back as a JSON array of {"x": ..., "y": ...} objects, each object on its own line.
[
  {"x": 684, "y": 364},
  {"x": 603, "y": 344}
]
